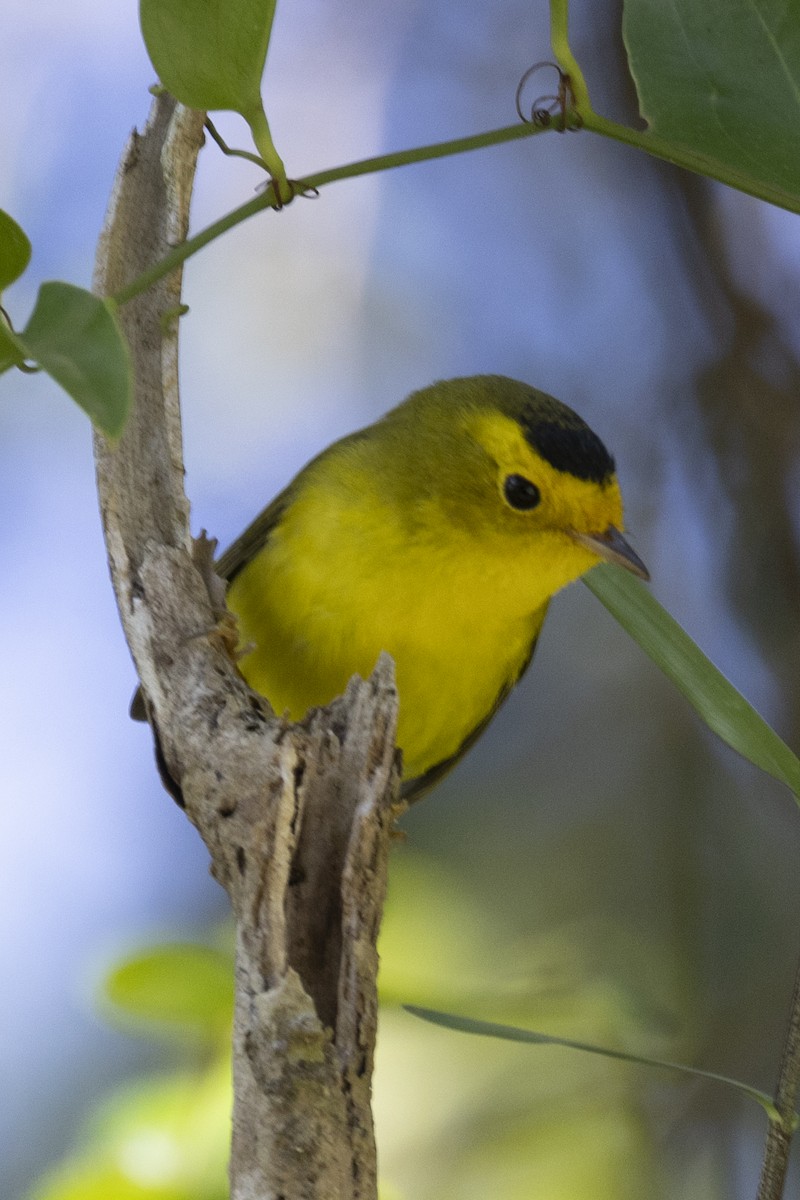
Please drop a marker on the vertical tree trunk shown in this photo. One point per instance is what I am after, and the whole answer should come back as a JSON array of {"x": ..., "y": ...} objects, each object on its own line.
[{"x": 296, "y": 818}]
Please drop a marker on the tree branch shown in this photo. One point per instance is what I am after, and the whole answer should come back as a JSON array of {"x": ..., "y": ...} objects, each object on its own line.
[{"x": 296, "y": 818}]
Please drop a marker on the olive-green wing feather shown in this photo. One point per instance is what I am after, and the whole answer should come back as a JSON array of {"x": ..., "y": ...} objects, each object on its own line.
[{"x": 254, "y": 538}]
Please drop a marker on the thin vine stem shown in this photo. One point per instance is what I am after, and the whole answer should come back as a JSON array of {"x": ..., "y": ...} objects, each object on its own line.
[
  {"x": 680, "y": 156},
  {"x": 559, "y": 40},
  {"x": 262, "y": 137},
  {"x": 215, "y": 134},
  {"x": 784, "y": 1124},
  {"x": 671, "y": 152},
  {"x": 312, "y": 183}
]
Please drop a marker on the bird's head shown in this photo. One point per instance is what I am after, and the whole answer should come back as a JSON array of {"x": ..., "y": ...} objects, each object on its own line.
[{"x": 524, "y": 474}]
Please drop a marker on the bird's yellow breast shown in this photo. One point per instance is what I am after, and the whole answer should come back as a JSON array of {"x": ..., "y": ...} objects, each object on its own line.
[{"x": 340, "y": 579}]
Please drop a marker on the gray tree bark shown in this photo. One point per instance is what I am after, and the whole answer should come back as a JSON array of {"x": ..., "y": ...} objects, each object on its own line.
[{"x": 296, "y": 817}]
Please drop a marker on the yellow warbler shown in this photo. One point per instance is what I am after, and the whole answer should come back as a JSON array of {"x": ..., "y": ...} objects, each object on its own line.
[{"x": 439, "y": 534}]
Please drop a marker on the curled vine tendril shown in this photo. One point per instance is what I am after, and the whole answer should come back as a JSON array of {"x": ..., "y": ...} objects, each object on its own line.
[
  {"x": 545, "y": 108},
  {"x": 296, "y": 188},
  {"x": 229, "y": 150},
  {"x": 300, "y": 189}
]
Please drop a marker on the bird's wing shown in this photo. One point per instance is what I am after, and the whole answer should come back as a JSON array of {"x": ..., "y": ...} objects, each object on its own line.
[{"x": 254, "y": 538}]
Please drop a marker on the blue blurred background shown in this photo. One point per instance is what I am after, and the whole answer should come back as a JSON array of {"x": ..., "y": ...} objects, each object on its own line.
[{"x": 596, "y": 816}]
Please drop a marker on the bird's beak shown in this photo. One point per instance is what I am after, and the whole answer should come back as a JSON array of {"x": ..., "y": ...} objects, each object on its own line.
[{"x": 613, "y": 547}]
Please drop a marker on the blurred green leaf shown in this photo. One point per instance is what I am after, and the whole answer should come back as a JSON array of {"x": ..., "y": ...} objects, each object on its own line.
[
  {"x": 722, "y": 77},
  {"x": 75, "y": 337},
  {"x": 433, "y": 960},
  {"x": 83, "y": 1182},
  {"x": 209, "y": 54},
  {"x": 181, "y": 985},
  {"x": 165, "y": 1139},
  {"x": 387, "y": 1192},
  {"x": 510, "y": 1033},
  {"x": 720, "y": 705},
  {"x": 11, "y": 354},
  {"x": 15, "y": 250}
]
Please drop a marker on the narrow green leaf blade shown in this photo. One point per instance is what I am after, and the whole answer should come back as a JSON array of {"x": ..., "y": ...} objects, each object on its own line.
[
  {"x": 15, "y": 250},
  {"x": 723, "y": 78},
  {"x": 209, "y": 54},
  {"x": 510, "y": 1033},
  {"x": 75, "y": 337},
  {"x": 719, "y": 704},
  {"x": 178, "y": 985}
]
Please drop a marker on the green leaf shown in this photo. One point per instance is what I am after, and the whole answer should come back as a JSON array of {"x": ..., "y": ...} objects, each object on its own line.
[
  {"x": 722, "y": 77},
  {"x": 720, "y": 705},
  {"x": 75, "y": 337},
  {"x": 15, "y": 250},
  {"x": 165, "y": 1138},
  {"x": 209, "y": 54},
  {"x": 510, "y": 1033},
  {"x": 11, "y": 354},
  {"x": 79, "y": 1182},
  {"x": 177, "y": 985}
]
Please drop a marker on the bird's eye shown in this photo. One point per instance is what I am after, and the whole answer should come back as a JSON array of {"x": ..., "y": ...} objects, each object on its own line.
[{"x": 520, "y": 492}]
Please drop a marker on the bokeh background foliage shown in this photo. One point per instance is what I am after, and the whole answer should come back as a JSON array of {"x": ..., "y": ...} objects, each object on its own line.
[{"x": 598, "y": 867}]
